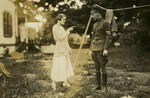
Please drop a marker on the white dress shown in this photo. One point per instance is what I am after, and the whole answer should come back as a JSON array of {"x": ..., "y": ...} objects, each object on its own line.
[{"x": 61, "y": 67}]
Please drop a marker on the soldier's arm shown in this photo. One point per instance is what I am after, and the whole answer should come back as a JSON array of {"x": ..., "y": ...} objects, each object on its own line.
[{"x": 108, "y": 36}]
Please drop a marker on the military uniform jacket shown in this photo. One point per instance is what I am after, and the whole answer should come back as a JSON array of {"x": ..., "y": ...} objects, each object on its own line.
[{"x": 100, "y": 39}]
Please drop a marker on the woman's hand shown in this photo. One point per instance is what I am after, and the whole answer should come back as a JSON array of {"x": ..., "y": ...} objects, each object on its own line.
[
  {"x": 70, "y": 49},
  {"x": 90, "y": 53},
  {"x": 71, "y": 28}
]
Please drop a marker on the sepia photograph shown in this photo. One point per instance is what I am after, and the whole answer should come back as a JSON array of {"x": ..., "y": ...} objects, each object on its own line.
[{"x": 74, "y": 49}]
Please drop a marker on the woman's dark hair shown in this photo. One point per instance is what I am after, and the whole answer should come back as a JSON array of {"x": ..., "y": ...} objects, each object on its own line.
[{"x": 60, "y": 16}]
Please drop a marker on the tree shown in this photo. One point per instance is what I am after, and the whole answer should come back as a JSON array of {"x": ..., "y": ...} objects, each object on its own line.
[{"x": 79, "y": 16}]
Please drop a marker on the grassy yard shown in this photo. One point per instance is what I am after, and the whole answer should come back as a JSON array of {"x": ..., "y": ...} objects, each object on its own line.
[{"x": 128, "y": 75}]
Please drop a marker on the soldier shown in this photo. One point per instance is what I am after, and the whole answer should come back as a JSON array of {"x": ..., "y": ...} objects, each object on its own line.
[{"x": 99, "y": 46}]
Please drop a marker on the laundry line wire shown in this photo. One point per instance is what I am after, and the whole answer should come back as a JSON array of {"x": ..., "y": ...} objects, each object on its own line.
[{"x": 120, "y": 9}]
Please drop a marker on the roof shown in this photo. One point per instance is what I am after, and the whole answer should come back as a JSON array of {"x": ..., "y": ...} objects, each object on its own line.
[{"x": 32, "y": 19}]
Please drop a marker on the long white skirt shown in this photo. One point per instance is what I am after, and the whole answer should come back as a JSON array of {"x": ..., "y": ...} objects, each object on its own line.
[{"x": 61, "y": 68}]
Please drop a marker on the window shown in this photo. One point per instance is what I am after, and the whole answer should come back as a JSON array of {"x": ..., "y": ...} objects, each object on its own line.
[{"x": 7, "y": 24}]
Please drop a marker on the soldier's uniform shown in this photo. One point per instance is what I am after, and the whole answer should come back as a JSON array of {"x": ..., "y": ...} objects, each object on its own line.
[{"x": 100, "y": 41}]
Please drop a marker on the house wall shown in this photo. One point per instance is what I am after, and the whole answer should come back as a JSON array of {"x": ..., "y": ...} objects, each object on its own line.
[{"x": 7, "y": 5}]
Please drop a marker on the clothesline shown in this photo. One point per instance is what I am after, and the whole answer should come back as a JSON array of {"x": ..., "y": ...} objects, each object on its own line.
[{"x": 120, "y": 9}]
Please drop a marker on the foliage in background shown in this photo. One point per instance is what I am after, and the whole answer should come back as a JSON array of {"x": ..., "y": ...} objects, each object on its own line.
[{"x": 136, "y": 19}]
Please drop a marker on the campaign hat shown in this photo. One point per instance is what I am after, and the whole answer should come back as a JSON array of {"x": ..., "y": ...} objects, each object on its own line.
[{"x": 95, "y": 9}]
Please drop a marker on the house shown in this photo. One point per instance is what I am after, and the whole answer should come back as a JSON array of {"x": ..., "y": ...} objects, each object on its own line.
[
  {"x": 11, "y": 17},
  {"x": 8, "y": 25}
]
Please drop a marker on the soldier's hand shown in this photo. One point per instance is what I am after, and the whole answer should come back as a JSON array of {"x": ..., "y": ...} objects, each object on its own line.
[{"x": 105, "y": 52}]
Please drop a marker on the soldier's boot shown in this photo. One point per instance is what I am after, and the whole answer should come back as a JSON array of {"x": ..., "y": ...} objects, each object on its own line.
[
  {"x": 98, "y": 78},
  {"x": 104, "y": 77}
]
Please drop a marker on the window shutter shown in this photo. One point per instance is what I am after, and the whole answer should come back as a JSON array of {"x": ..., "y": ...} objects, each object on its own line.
[{"x": 7, "y": 24}]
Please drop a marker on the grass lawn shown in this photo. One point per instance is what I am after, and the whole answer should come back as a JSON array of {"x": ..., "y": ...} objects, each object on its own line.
[{"x": 128, "y": 75}]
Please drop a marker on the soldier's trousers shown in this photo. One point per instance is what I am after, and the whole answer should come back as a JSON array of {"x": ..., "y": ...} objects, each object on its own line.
[{"x": 100, "y": 64}]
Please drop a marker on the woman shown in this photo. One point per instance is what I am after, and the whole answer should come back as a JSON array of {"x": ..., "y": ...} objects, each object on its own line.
[{"x": 61, "y": 67}]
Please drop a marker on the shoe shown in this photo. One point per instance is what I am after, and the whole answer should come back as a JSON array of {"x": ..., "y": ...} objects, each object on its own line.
[
  {"x": 66, "y": 84},
  {"x": 98, "y": 88},
  {"x": 103, "y": 90},
  {"x": 53, "y": 85}
]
